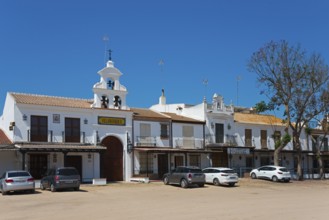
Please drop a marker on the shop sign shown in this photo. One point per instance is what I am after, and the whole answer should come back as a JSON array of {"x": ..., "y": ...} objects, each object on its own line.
[
  {"x": 243, "y": 151},
  {"x": 111, "y": 121}
]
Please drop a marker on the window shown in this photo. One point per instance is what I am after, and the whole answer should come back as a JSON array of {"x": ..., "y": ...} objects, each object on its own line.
[
  {"x": 39, "y": 128},
  {"x": 263, "y": 139},
  {"x": 188, "y": 133},
  {"x": 248, "y": 135},
  {"x": 195, "y": 160},
  {"x": 72, "y": 130},
  {"x": 164, "y": 131},
  {"x": 145, "y": 130},
  {"x": 146, "y": 163}
]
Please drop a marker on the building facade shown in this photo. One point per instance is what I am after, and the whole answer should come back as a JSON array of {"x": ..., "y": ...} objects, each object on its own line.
[{"x": 104, "y": 138}]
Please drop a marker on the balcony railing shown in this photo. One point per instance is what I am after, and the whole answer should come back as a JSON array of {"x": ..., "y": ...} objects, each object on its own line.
[
  {"x": 50, "y": 137},
  {"x": 229, "y": 140},
  {"x": 74, "y": 138},
  {"x": 146, "y": 141},
  {"x": 47, "y": 137},
  {"x": 188, "y": 143}
]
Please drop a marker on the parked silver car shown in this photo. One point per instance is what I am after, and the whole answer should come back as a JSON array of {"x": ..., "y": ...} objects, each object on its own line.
[
  {"x": 220, "y": 175},
  {"x": 17, "y": 180},
  {"x": 185, "y": 176},
  {"x": 274, "y": 173}
]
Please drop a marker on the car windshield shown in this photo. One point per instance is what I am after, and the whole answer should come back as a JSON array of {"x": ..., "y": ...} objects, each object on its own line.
[
  {"x": 67, "y": 172},
  {"x": 227, "y": 171},
  {"x": 16, "y": 174}
]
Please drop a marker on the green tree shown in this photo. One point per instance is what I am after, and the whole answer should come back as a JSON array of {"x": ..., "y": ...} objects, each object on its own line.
[{"x": 296, "y": 81}]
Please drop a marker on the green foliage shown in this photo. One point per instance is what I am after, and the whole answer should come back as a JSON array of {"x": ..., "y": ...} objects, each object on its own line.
[
  {"x": 281, "y": 142},
  {"x": 263, "y": 107},
  {"x": 308, "y": 130}
]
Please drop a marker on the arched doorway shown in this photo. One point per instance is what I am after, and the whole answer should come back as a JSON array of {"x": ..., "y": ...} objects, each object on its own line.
[{"x": 112, "y": 159}]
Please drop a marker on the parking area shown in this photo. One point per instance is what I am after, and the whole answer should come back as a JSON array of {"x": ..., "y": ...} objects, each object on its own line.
[{"x": 249, "y": 199}]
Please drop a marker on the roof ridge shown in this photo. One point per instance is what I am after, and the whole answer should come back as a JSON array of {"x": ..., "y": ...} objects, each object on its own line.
[{"x": 50, "y": 96}]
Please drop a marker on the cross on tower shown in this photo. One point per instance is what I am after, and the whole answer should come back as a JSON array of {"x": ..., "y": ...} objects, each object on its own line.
[{"x": 110, "y": 54}]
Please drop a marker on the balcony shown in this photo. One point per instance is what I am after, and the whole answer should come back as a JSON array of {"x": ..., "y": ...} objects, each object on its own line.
[
  {"x": 188, "y": 143},
  {"x": 229, "y": 140},
  {"x": 49, "y": 137},
  {"x": 146, "y": 141}
]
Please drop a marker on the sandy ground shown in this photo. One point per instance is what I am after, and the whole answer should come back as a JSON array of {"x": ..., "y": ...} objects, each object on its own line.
[{"x": 250, "y": 199}]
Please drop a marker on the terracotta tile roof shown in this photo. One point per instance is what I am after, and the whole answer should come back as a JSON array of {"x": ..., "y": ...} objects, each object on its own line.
[
  {"x": 180, "y": 118},
  {"x": 257, "y": 119},
  {"x": 4, "y": 140},
  {"x": 147, "y": 114},
  {"x": 58, "y": 146},
  {"x": 51, "y": 100}
]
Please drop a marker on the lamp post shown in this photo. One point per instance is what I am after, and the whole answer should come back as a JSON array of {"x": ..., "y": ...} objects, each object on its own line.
[{"x": 129, "y": 144}]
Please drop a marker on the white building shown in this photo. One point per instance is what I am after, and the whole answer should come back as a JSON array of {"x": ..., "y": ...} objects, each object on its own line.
[{"x": 90, "y": 135}]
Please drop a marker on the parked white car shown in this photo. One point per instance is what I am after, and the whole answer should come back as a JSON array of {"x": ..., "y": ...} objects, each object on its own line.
[
  {"x": 274, "y": 173},
  {"x": 220, "y": 175}
]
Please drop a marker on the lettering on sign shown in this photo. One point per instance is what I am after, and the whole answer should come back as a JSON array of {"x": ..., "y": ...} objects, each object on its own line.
[
  {"x": 111, "y": 121},
  {"x": 243, "y": 151}
]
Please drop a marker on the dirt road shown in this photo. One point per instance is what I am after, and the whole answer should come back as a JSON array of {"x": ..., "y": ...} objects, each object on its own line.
[{"x": 250, "y": 199}]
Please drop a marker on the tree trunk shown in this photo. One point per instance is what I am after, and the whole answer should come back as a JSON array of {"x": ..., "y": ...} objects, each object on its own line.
[
  {"x": 276, "y": 156},
  {"x": 299, "y": 167},
  {"x": 299, "y": 157},
  {"x": 320, "y": 163}
]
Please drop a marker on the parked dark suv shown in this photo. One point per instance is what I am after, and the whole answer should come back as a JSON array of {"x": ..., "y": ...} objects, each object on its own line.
[
  {"x": 185, "y": 176},
  {"x": 61, "y": 178}
]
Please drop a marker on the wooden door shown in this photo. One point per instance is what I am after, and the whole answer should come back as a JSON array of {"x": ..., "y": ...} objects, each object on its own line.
[
  {"x": 74, "y": 161},
  {"x": 162, "y": 165},
  {"x": 179, "y": 161},
  {"x": 38, "y": 165},
  {"x": 112, "y": 159},
  {"x": 219, "y": 159}
]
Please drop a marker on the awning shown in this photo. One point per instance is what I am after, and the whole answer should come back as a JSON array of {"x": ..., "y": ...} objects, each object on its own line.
[
  {"x": 170, "y": 150},
  {"x": 7, "y": 147},
  {"x": 36, "y": 147}
]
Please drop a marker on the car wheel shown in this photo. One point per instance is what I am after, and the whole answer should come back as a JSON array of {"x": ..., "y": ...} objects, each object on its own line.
[
  {"x": 52, "y": 188},
  {"x": 32, "y": 191},
  {"x": 275, "y": 179},
  {"x": 3, "y": 192},
  {"x": 201, "y": 184},
  {"x": 231, "y": 184},
  {"x": 216, "y": 182},
  {"x": 183, "y": 183},
  {"x": 253, "y": 176},
  {"x": 77, "y": 188},
  {"x": 166, "y": 180},
  {"x": 42, "y": 187}
]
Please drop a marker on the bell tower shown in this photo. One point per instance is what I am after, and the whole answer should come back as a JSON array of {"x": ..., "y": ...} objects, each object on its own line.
[{"x": 108, "y": 92}]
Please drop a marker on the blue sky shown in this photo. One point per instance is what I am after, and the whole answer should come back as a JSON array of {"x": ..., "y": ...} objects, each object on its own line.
[{"x": 56, "y": 47}]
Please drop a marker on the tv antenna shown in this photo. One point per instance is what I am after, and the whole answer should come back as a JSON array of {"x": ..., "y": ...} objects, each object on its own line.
[
  {"x": 106, "y": 42},
  {"x": 161, "y": 63},
  {"x": 205, "y": 83},
  {"x": 238, "y": 78}
]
